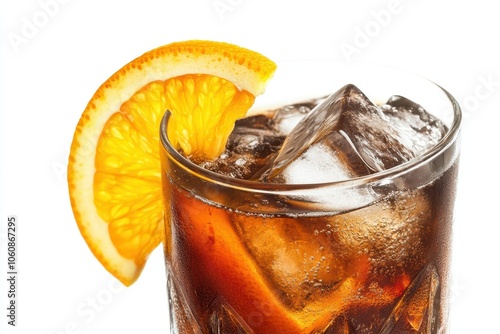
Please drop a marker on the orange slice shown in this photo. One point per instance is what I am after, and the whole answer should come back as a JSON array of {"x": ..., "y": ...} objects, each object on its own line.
[
  {"x": 114, "y": 169},
  {"x": 230, "y": 272}
]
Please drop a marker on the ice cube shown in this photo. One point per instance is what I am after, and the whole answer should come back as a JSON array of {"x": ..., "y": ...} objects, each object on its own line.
[
  {"x": 298, "y": 258},
  {"x": 392, "y": 232},
  {"x": 252, "y": 143},
  {"x": 287, "y": 117},
  {"x": 418, "y": 130},
  {"x": 366, "y": 138},
  {"x": 323, "y": 162}
]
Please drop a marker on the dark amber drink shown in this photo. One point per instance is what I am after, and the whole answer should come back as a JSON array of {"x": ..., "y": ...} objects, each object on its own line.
[{"x": 369, "y": 254}]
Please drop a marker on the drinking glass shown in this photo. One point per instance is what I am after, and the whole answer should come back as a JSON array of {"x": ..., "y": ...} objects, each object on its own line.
[{"x": 369, "y": 254}]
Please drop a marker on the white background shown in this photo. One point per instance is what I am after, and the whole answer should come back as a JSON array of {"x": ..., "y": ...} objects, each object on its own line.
[{"x": 49, "y": 73}]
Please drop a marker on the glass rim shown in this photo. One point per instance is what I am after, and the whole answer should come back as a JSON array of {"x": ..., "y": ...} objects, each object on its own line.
[{"x": 222, "y": 180}]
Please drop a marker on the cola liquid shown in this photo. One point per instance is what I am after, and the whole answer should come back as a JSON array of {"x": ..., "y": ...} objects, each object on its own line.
[{"x": 329, "y": 216}]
